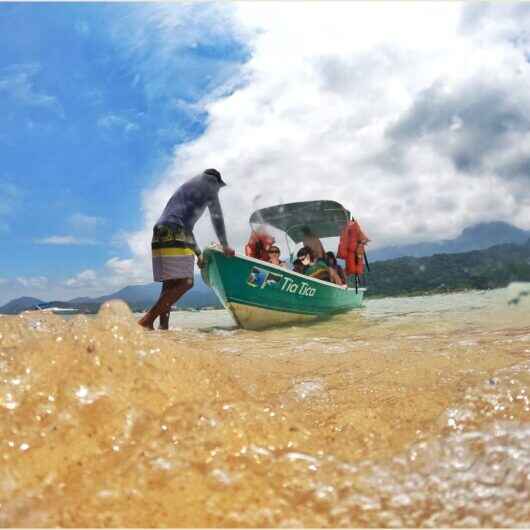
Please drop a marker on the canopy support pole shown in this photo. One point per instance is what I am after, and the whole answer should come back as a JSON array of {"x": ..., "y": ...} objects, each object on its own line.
[{"x": 289, "y": 249}]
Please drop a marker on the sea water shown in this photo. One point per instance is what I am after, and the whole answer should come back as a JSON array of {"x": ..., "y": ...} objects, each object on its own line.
[{"x": 409, "y": 412}]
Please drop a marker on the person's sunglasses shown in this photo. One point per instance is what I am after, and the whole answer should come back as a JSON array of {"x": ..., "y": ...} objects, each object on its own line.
[{"x": 274, "y": 251}]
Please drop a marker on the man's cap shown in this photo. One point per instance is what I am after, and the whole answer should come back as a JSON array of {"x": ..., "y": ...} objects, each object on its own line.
[{"x": 216, "y": 174}]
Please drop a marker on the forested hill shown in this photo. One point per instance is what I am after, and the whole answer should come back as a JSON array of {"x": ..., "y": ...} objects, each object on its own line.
[
  {"x": 494, "y": 267},
  {"x": 475, "y": 237}
]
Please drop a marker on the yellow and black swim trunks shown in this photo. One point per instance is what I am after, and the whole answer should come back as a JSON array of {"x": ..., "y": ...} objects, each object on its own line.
[{"x": 173, "y": 250}]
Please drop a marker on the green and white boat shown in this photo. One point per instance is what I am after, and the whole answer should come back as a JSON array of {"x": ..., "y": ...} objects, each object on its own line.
[{"x": 259, "y": 294}]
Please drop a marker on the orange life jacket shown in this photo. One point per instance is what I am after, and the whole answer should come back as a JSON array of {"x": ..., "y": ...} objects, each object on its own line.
[
  {"x": 351, "y": 248},
  {"x": 258, "y": 246}
]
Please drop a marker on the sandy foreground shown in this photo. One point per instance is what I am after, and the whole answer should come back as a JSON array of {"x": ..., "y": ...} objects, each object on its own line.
[{"x": 407, "y": 419}]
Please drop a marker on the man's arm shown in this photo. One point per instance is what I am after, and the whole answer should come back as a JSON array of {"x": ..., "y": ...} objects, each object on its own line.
[
  {"x": 217, "y": 220},
  {"x": 196, "y": 248},
  {"x": 219, "y": 225},
  {"x": 198, "y": 252},
  {"x": 335, "y": 278}
]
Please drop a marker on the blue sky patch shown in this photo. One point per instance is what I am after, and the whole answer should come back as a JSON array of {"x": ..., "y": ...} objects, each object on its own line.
[{"x": 90, "y": 118}]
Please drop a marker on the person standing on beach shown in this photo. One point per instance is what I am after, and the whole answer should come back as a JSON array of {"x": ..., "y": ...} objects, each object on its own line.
[{"x": 173, "y": 245}]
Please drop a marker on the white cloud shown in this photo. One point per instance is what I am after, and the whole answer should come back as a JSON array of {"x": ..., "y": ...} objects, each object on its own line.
[
  {"x": 84, "y": 222},
  {"x": 114, "y": 121},
  {"x": 116, "y": 274},
  {"x": 85, "y": 279},
  {"x": 65, "y": 240},
  {"x": 317, "y": 102},
  {"x": 127, "y": 271},
  {"x": 33, "y": 282},
  {"x": 86, "y": 225},
  {"x": 159, "y": 39},
  {"x": 17, "y": 81}
]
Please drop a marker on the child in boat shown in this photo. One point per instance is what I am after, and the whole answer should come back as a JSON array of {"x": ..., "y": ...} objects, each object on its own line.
[{"x": 274, "y": 257}]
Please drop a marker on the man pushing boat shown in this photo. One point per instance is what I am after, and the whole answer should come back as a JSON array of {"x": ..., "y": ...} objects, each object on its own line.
[{"x": 173, "y": 245}]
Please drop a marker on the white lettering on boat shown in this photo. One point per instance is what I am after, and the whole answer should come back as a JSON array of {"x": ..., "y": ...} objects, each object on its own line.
[{"x": 303, "y": 289}]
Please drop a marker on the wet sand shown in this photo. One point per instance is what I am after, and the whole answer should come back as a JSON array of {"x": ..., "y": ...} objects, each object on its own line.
[{"x": 411, "y": 412}]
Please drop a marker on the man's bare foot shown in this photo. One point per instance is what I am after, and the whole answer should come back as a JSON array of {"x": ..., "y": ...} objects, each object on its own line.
[{"x": 144, "y": 322}]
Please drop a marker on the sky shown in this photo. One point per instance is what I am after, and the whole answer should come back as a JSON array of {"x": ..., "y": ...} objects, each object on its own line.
[{"x": 415, "y": 116}]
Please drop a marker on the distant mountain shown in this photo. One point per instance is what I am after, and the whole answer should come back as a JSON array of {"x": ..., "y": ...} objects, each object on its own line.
[
  {"x": 476, "y": 237},
  {"x": 138, "y": 297},
  {"x": 490, "y": 268},
  {"x": 81, "y": 300},
  {"x": 134, "y": 295},
  {"x": 19, "y": 304},
  {"x": 444, "y": 271}
]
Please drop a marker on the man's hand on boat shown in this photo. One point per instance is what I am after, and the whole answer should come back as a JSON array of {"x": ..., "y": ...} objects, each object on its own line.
[{"x": 228, "y": 251}]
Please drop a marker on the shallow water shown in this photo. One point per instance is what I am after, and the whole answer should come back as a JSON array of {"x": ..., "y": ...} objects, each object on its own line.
[{"x": 411, "y": 412}]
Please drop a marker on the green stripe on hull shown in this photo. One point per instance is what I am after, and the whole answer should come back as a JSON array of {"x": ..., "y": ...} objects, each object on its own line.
[{"x": 242, "y": 282}]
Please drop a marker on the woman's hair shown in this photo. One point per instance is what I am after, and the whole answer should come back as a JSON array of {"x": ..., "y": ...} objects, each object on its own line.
[
  {"x": 330, "y": 257},
  {"x": 298, "y": 266},
  {"x": 304, "y": 251}
]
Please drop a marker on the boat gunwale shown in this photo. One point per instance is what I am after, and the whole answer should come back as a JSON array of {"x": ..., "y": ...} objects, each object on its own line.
[{"x": 294, "y": 273}]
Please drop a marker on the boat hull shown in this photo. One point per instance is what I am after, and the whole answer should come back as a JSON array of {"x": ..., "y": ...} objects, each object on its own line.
[{"x": 261, "y": 295}]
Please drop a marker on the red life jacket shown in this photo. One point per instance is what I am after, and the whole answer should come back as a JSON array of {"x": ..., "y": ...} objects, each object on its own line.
[
  {"x": 351, "y": 248},
  {"x": 258, "y": 246}
]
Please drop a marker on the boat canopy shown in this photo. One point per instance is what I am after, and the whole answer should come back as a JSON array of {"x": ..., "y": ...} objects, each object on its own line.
[{"x": 323, "y": 218}]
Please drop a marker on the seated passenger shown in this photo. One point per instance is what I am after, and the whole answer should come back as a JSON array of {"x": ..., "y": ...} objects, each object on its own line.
[
  {"x": 311, "y": 240},
  {"x": 274, "y": 257},
  {"x": 297, "y": 266},
  {"x": 258, "y": 244},
  {"x": 331, "y": 260},
  {"x": 316, "y": 268}
]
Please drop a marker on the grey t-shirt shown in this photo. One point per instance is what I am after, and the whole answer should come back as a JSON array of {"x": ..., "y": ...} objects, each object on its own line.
[{"x": 190, "y": 200}]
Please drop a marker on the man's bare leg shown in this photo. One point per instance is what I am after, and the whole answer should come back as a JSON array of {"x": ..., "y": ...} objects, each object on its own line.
[
  {"x": 164, "y": 317},
  {"x": 172, "y": 290},
  {"x": 164, "y": 321}
]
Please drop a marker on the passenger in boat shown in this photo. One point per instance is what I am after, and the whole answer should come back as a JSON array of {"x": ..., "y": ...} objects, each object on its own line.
[
  {"x": 274, "y": 257},
  {"x": 317, "y": 268},
  {"x": 311, "y": 240},
  {"x": 331, "y": 260},
  {"x": 173, "y": 245},
  {"x": 259, "y": 244},
  {"x": 298, "y": 266}
]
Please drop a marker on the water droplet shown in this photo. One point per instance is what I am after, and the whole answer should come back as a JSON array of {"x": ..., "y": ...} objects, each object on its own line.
[{"x": 221, "y": 476}]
